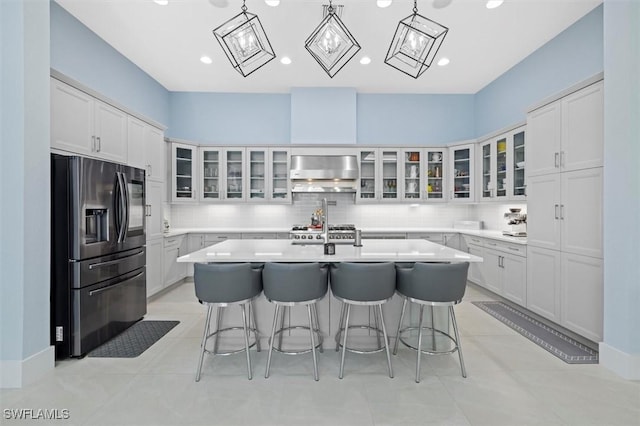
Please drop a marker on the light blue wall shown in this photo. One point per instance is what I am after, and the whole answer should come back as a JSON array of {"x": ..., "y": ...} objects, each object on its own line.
[
  {"x": 622, "y": 176},
  {"x": 572, "y": 56},
  {"x": 414, "y": 119},
  {"x": 80, "y": 54},
  {"x": 24, "y": 172},
  {"x": 230, "y": 118},
  {"x": 323, "y": 115}
]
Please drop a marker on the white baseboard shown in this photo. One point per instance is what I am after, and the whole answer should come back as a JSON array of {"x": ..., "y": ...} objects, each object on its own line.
[
  {"x": 16, "y": 374},
  {"x": 623, "y": 364}
]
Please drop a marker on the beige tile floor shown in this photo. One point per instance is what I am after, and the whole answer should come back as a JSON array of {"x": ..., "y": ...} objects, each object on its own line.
[{"x": 511, "y": 381}]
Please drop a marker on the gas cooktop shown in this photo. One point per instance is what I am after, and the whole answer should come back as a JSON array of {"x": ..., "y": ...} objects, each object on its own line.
[{"x": 340, "y": 234}]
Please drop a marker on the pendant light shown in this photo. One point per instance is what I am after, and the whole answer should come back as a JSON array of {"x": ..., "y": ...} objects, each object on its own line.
[
  {"x": 331, "y": 44},
  {"x": 245, "y": 42},
  {"x": 415, "y": 44}
]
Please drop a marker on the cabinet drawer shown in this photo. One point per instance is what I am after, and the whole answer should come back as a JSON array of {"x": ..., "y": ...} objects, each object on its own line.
[
  {"x": 173, "y": 242},
  {"x": 210, "y": 239},
  {"x": 473, "y": 241},
  {"x": 515, "y": 249},
  {"x": 434, "y": 237}
]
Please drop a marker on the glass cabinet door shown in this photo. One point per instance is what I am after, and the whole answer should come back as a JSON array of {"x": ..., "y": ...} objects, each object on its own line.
[
  {"x": 280, "y": 175},
  {"x": 461, "y": 160},
  {"x": 234, "y": 177},
  {"x": 518, "y": 166},
  {"x": 183, "y": 186},
  {"x": 412, "y": 187},
  {"x": 368, "y": 169},
  {"x": 501, "y": 168},
  {"x": 211, "y": 174},
  {"x": 487, "y": 183},
  {"x": 390, "y": 175},
  {"x": 435, "y": 188},
  {"x": 257, "y": 174}
]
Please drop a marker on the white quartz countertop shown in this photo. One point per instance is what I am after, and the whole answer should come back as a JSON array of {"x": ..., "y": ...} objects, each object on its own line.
[
  {"x": 234, "y": 250},
  {"x": 484, "y": 233}
]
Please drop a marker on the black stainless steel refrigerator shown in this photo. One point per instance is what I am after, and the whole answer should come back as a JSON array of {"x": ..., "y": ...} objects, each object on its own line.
[{"x": 98, "y": 278}]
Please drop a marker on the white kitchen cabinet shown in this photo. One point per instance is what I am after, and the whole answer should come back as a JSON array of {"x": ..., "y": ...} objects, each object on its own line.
[
  {"x": 461, "y": 172},
  {"x": 136, "y": 156},
  {"x": 153, "y": 209},
  {"x": 564, "y": 212},
  {"x": 379, "y": 175},
  {"x": 436, "y": 185},
  {"x": 267, "y": 171},
  {"x": 82, "y": 124},
  {"x": 501, "y": 178},
  {"x": 174, "y": 247},
  {"x": 184, "y": 160},
  {"x": 153, "y": 147},
  {"x": 155, "y": 278},
  {"x": 222, "y": 174},
  {"x": 581, "y": 295},
  {"x": 412, "y": 174},
  {"x": 476, "y": 272},
  {"x": 491, "y": 266},
  {"x": 567, "y": 134},
  {"x": 543, "y": 282}
]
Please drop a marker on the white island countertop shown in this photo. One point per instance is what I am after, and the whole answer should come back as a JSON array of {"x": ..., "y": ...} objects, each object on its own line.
[{"x": 415, "y": 250}]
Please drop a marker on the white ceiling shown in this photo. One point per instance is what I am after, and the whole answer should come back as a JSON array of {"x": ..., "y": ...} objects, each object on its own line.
[{"x": 168, "y": 41}]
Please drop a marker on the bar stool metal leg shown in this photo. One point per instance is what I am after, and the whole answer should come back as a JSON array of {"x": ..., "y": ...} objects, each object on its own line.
[
  {"x": 343, "y": 312},
  {"x": 344, "y": 342},
  {"x": 273, "y": 334},
  {"x": 246, "y": 339},
  {"x": 455, "y": 331},
  {"x": 419, "y": 351},
  {"x": 314, "y": 311},
  {"x": 252, "y": 323},
  {"x": 376, "y": 323},
  {"x": 218, "y": 320},
  {"x": 313, "y": 344},
  {"x": 433, "y": 329},
  {"x": 204, "y": 342},
  {"x": 395, "y": 346},
  {"x": 386, "y": 341},
  {"x": 285, "y": 309}
]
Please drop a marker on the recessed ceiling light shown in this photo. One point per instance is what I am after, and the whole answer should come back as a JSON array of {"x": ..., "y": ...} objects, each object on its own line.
[
  {"x": 206, "y": 60},
  {"x": 285, "y": 60},
  {"x": 492, "y": 4},
  {"x": 365, "y": 60},
  {"x": 443, "y": 61},
  {"x": 272, "y": 3},
  {"x": 162, "y": 2},
  {"x": 384, "y": 3}
]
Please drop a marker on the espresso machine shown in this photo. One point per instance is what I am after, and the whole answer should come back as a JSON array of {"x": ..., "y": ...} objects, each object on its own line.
[{"x": 516, "y": 222}]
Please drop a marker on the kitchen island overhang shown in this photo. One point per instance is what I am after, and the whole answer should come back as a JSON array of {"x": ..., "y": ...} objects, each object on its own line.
[{"x": 374, "y": 250}]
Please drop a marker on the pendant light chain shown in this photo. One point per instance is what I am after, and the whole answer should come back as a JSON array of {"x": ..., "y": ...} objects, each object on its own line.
[
  {"x": 330, "y": 9},
  {"x": 244, "y": 6},
  {"x": 415, "y": 7}
]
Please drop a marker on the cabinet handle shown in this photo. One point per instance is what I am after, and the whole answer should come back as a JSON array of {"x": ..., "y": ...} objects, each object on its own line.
[
  {"x": 492, "y": 244},
  {"x": 171, "y": 241},
  {"x": 150, "y": 170},
  {"x": 562, "y": 211},
  {"x": 525, "y": 189},
  {"x": 556, "y": 211},
  {"x": 514, "y": 249},
  {"x": 561, "y": 158},
  {"x": 556, "y": 160},
  {"x": 99, "y": 144},
  {"x": 93, "y": 143},
  {"x": 149, "y": 210}
]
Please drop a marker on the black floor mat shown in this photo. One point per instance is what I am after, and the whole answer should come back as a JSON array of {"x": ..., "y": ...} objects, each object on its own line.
[
  {"x": 564, "y": 347},
  {"x": 134, "y": 340}
]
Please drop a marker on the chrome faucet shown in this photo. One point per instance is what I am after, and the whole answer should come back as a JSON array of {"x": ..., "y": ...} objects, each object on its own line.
[{"x": 325, "y": 220}]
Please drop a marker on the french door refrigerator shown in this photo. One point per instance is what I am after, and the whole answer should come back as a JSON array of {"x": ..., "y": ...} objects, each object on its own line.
[{"x": 98, "y": 278}]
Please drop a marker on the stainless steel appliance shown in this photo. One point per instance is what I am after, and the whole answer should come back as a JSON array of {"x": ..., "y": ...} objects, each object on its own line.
[
  {"x": 517, "y": 223},
  {"x": 338, "y": 234},
  {"x": 323, "y": 173},
  {"x": 98, "y": 279}
]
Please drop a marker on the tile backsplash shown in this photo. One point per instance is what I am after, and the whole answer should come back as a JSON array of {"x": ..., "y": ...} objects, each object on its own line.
[{"x": 378, "y": 215}]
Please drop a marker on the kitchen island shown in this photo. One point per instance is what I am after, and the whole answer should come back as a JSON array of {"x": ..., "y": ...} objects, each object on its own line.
[
  {"x": 285, "y": 251},
  {"x": 274, "y": 250}
]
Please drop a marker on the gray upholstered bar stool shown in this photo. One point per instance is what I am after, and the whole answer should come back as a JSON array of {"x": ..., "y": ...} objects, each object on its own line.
[
  {"x": 290, "y": 284},
  {"x": 225, "y": 284},
  {"x": 363, "y": 284},
  {"x": 432, "y": 284}
]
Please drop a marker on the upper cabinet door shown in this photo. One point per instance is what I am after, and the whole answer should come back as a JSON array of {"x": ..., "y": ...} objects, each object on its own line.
[
  {"x": 234, "y": 174},
  {"x": 71, "y": 119},
  {"x": 487, "y": 171},
  {"x": 110, "y": 132},
  {"x": 544, "y": 127},
  {"x": 412, "y": 167},
  {"x": 583, "y": 128},
  {"x": 258, "y": 173},
  {"x": 390, "y": 174},
  {"x": 154, "y": 154},
  {"x": 184, "y": 166},
  {"x": 136, "y": 155},
  {"x": 517, "y": 165},
  {"x": 369, "y": 183},
  {"x": 435, "y": 187},
  {"x": 461, "y": 170},
  {"x": 279, "y": 184},
  {"x": 211, "y": 172}
]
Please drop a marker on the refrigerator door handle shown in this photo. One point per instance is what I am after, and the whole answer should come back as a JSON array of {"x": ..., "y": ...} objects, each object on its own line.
[
  {"x": 111, "y": 287},
  {"x": 125, "y": 188},
  {"x": 122, "y": 208},
  {"x": 114, "y": 262}
]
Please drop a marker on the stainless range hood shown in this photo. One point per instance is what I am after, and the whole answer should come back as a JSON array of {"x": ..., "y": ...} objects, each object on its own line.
[{"x": 324, "y": 173}]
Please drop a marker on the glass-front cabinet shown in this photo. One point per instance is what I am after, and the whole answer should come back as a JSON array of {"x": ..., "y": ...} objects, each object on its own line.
[
  {"x": 257, "y": 173},
  {"x": 280, "y": 184},
  {"x": 412, "y": 174},
  {"x": 234, "y": 160},
  {"x": 184, "y": 166},
  {"x": 461, "y": 169},
  {"x": 211, "y": 174},
  {"x": 519, "y": 186},
  {"x": 379, "y": 174},
  {"x": 221, "y": 174},
  {"x": 502, "y": 167},
  {"x": 435, "y": 189}
]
